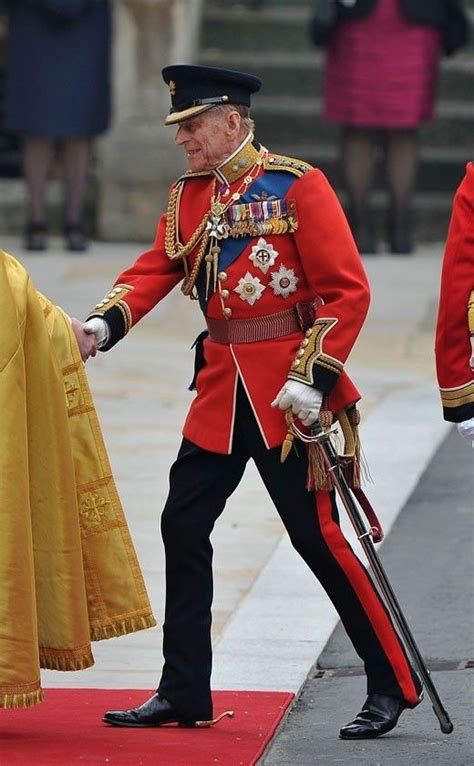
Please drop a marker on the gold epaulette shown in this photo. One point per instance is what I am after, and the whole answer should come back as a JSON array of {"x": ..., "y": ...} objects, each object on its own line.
[
  {"x": 280, "y": 162},
  {"x": 189, "y": 174}
]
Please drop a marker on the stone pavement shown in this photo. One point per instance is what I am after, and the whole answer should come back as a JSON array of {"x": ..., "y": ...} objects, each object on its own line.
[
  {"x": 428, "y": 559},
  {"x": 271, "y": 620}
]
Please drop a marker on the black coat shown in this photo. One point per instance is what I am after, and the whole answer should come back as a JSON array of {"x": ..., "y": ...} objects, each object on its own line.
[{"x": 58, "y": 67}]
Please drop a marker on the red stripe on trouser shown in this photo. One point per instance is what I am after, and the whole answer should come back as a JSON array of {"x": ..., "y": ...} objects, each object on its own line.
[{"x": 367, "y": 596}]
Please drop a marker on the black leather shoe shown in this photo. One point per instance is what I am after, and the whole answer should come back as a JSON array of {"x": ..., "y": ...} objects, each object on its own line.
[
  {"x": 156, "y": 711},
  {"x": 76, "y": 240},
  {"x": 399, "y": 233},
  {"x": 362, "y": 231},
  {"x": 36, "y": 236},
  {"x": 379, "y": 715}
]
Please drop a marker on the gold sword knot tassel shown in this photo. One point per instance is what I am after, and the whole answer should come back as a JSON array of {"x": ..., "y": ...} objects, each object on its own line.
[
  {"x": 289, "y": 439},
  {"x": 208, "y": 724}
]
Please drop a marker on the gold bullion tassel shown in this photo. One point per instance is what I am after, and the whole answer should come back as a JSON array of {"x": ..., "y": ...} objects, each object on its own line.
[
  {"x": 289, "y": 438},
  {"x": 207, "y": 724},
  {"x": 318, "y": 476},
  {"x": 352, "y": 462}
]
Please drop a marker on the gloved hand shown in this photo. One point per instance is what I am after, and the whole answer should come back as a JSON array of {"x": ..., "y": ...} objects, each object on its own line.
[
  {"x": 466, "y": 428},
  {"x": 98, "y": 327},
  {"x": 304, "y": 401}
]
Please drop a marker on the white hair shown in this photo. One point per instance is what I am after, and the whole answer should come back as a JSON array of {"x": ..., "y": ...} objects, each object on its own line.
[{"x": 248, "y": 125}]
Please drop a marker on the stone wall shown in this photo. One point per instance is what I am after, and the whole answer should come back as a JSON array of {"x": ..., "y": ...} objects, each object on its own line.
[{"x": 137, "y": 159}]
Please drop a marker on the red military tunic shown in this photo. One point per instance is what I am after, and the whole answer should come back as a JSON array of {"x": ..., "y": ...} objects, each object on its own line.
[
  {"x": 453, "y": 342},
  {"x": 287, "y": 241}
]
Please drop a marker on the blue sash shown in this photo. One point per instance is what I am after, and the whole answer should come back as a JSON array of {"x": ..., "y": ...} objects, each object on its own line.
[{"x": 273, "y": 183}]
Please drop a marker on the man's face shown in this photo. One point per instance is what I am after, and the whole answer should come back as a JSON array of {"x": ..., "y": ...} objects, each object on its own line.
[{"x": 208, "y": 139}]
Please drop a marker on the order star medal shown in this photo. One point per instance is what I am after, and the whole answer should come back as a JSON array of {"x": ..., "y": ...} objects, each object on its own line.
[
  {"x": 217, "y": 228},
  {"x": 263, "y": 255},
  {"x": 249, "y": 288},
  {"x": 283, "y": 282}
]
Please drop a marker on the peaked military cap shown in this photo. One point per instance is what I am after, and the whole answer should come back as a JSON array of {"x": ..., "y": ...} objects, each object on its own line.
[{"x": 195, "y": 89}]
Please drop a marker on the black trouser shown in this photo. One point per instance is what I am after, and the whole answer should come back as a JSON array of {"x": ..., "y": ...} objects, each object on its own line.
[{"x": 200, "y": 484}]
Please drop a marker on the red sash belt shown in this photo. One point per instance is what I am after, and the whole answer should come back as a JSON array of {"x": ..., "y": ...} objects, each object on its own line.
[{"x": 297, "y": 318}]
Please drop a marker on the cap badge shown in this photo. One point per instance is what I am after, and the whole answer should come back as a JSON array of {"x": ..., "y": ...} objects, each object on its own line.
[
  {"x": 283, "y": 282},
  {"x": 249, "y": 288},
  {"x": 172, "y": 87},
  {"x": 263, "y": 255}
]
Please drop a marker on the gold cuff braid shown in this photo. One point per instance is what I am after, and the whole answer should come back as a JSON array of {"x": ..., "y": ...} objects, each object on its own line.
[
  {"x": 310, "y": 353},
  {"x": 459, "y": 396},
  {"x": 115, "y": 298}
]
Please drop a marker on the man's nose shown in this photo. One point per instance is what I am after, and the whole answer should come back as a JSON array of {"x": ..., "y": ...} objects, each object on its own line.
[{"x": 181, "y": 136}]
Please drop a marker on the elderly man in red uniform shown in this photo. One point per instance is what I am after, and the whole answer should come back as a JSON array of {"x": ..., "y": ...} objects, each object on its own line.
[
  {"x": 261, "y": 241},
  {"x": 455, "y": 325}
]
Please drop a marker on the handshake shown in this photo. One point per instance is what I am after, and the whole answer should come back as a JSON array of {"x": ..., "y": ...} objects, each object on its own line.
[{"x": 90, "y": 335}]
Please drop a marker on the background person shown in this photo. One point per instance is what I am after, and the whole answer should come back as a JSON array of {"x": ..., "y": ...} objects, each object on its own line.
[
  {"x": 455, "y": 324},
  {"x": 380, "y": 80},
  {"x": 57, "y": 90}
]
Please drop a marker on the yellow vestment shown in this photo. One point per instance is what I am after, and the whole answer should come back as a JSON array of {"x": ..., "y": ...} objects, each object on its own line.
[{"x": 69, "y": 573}]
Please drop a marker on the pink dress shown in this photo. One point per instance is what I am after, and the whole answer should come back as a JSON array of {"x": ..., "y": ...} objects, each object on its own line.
[{"x": 382, "y": 71}]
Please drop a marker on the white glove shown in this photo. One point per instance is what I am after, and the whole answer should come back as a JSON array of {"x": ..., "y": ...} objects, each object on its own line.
[
  {"x": 98, "y": 327},
  {"x": 304, "y": 401},
  {"x": 466, "y": 428}
]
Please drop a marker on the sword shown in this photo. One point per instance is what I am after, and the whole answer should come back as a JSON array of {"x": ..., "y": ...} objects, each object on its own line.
[{"x": 365, "y": 536}]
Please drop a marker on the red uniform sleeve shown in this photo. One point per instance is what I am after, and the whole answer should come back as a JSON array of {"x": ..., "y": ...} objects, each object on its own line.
[
  {"x": 334, "y": 270},
  {"x": 139, "y": 288},
  {"x": 453, "y": 345}
]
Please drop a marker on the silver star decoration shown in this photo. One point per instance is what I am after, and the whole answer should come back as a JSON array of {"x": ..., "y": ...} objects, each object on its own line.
[
  {"x": 249, "y": 288},
  {"x": 283, "y": 281},
  {"x": 263, "y": 255}
]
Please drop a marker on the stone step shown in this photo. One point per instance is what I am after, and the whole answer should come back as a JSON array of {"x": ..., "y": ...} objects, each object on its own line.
[
  {"x": 439, "y": 170},
  {"x": 260, "y": 4},
  {"x": 269, "y": 29},
  {"x": 301, "y": 72},
  {"x": 282, "y": 27},
  {"x": 293, "y": 119}
]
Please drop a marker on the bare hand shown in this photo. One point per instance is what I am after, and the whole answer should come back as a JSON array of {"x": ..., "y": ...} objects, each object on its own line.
[{"x": 87, "y": 342}]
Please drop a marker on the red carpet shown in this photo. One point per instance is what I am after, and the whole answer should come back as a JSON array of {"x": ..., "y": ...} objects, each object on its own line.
[{"x": 67, "y": 729}]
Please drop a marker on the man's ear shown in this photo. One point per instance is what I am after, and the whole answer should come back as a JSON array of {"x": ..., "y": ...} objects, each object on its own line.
[{"x": 234, "y": 121}]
